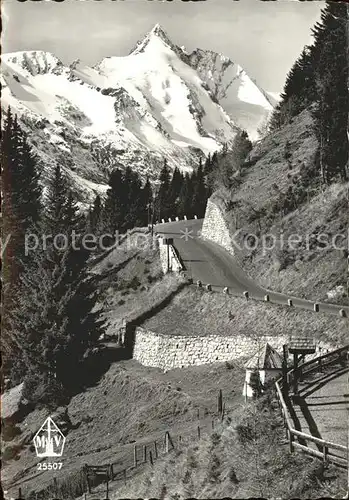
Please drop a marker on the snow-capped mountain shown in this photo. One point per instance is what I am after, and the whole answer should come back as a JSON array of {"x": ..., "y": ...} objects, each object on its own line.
[
  {"x": 230, "y": 85},
  {"x": 158, "y": 102}
]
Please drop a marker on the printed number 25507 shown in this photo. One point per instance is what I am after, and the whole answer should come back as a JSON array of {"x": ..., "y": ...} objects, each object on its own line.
[{"x": 50, "y": 465}]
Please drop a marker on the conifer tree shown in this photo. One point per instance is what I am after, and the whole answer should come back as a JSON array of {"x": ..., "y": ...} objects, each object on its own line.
[
  {"x": 174, "y": 191},
  {"x": 114, "y": 206},
  {"x": 199, "y": 193},
  {"x": 186, "y": 197},
  {"x": 21, "y": 209},
  {"x": 94, "y": 216},
  {"x": 161, "y": 202},
  {"x": 332, "y": 101},
  {"x": 54, "y": 322}
]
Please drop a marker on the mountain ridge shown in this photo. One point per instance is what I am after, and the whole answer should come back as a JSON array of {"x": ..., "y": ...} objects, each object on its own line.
[{"x": 158, "y": 102}]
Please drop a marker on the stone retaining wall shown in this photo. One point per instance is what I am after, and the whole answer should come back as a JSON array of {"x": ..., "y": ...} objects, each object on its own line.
[
  {"x": 215, "y": 228},
  {"x": 171, "y": 261},
  {"x": 168, "y": 352}
]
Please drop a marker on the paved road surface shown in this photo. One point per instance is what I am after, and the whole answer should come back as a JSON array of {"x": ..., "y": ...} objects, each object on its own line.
[{"x": 210, "y": 263}]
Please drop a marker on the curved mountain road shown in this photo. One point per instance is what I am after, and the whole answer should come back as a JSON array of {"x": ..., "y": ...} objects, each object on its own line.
[{"x": 210, "y": 263}]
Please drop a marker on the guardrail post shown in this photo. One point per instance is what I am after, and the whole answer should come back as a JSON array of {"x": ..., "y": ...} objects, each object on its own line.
[
  {"x": 316, "y": 307},
  {"x": 342, "y": 313},
  {"x": 226, "y": 290},
  {"x": 209, "y": 288},
  {"x": 195, "y": 216},
  {"x": 199, "y": 284},
  {"x": 266, "y": 298},
  {"x": 290, "y": 302},
  {"x": 185, "y": 217},
  {"x": 246, "y": 295}
]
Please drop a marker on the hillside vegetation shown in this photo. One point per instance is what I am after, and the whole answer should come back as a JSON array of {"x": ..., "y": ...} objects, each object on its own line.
[
  {"x": 195, "y": 312},
  {"x": 295, "y": 180},
  {"x": 246, "y": 457},
  {"x": 279, "y": 198},
  {"x": 130, "y": 403}
]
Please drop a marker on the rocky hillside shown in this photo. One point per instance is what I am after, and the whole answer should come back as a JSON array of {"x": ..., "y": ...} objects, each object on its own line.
[
  {"x": 158, "y": 102},
  {"x": 278, "y": 199}
]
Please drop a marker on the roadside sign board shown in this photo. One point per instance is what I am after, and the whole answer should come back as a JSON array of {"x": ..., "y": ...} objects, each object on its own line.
[{"x": 301, "y": 345}]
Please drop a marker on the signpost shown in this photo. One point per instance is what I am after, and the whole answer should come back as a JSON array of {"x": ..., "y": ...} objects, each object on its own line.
[
  {"x": 299, "y": 346},
  {"x": 168, "y": 242}
]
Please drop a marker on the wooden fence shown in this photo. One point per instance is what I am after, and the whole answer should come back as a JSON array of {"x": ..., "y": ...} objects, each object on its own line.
[
  {"x": 296, "y": 438},
  {"x": 147, "y": 453}
]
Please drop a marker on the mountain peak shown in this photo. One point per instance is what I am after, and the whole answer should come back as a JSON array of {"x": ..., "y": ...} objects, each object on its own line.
[{"x": 156, "y": 33}]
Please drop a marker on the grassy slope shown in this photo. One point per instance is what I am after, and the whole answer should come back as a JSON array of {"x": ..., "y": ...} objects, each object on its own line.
[
  {"x": 130, "y": 281},
  {"x": 247, "y": 456},
  {"x": 130, "y": 402},
  {"x": 195, "y": 312},
  {"x": 307, "y": 272}
]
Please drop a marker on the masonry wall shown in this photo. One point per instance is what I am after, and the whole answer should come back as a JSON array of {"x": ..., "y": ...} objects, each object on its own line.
[
  {"x": 168, "y": 352},
  {"x": 171, "y": 259},
  {"x": 215, "y": 228}
]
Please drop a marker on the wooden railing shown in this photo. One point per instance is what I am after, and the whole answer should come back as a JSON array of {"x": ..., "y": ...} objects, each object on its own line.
[{"x": 295, "y": 436}]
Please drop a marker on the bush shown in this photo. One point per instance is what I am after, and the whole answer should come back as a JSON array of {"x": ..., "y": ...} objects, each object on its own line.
[{"x": 40, "y": 388}]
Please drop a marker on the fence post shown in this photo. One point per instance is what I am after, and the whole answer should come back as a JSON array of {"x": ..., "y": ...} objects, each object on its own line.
[
  {"x": 125, "y": 476},
  {"x": 223, "y": 411},
  {"x": 55, "y": 484},
  {"x": 19, "y": 492},
  {"x": 135, "y": 455},
  {"x": 87, "y": 478},
  {"x": 107, "y": 490},
  {"x": 290, "y": 440},
  {"x": 325, "y": 452},
  {"x": 212, "y": 423},
  {"x": 156, "y": 449},
  {"x": 199, "y": 431},
  {"x": 111, "y": 472},
  {"x": 151, "y": 458},
  {"x": 144, "y": 453},
  {"x": 220, "y": 402},
  {"x": 166, "y": 443},
  {"x": 198, "y": 413}
]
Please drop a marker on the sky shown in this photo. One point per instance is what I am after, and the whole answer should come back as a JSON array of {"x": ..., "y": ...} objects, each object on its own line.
[{"x": 265, "y": 38}]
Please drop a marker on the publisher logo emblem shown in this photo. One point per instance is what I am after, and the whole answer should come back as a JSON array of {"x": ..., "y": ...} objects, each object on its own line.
[{"x": 49, "y": 440}]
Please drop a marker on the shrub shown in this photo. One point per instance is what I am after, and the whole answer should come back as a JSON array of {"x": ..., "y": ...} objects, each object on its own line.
[{"x": 40, "y": 388}]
